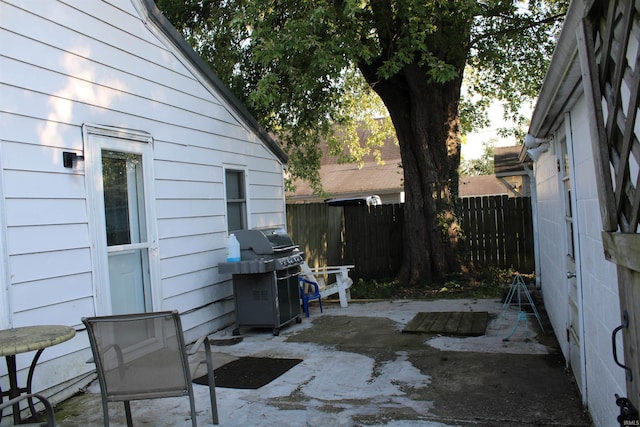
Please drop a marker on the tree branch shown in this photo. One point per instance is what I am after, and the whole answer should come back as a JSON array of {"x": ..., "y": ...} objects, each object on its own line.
[{"x": 517, "y": 29}]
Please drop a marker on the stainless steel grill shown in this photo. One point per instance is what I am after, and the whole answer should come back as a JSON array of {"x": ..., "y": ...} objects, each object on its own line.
[
  {"x": 265, "y": 280},
  {"x": 263, "y": 250}
]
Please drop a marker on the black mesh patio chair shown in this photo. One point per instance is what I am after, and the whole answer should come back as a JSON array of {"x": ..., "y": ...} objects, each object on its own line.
[{"x": 143, "y": 356}]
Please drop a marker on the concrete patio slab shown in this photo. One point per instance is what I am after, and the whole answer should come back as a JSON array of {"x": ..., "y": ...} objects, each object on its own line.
[{"x": 359, "y": 369}]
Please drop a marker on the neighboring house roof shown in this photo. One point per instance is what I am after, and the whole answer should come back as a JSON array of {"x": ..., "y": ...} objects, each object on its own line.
[
  {"x": 482, "y": 185},
  {"x": 506, "y": 161},
  {"x": 159, "y": 20},
  {"x": 350, "y": 180}
]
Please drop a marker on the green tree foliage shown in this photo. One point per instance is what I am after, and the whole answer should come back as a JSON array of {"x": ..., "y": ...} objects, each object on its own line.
[
  {"x": 299, "y": 66},
  {"x": 483, "y": 165}
]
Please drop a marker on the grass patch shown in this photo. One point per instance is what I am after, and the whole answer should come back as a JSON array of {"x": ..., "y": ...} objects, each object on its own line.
[{"x": 486, "y": 283}]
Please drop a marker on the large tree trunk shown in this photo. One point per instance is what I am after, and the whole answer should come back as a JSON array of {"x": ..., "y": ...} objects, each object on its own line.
[{"x": 425, "y": 116}]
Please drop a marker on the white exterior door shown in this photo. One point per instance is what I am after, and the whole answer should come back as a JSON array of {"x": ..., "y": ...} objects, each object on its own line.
[{"x": 118, "y": 171}]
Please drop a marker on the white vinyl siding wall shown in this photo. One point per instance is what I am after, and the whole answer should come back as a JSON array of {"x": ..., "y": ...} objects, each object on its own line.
[{"x": 68, "y": 63}]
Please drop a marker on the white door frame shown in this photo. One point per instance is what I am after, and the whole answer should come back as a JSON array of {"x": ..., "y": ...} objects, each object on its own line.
[{"x": 96, "y": 138}]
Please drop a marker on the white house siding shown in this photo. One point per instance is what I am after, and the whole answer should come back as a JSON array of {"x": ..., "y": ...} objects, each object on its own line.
[
  {"x": 600, "y": 308},
  {"x": 68, "y": 63}
]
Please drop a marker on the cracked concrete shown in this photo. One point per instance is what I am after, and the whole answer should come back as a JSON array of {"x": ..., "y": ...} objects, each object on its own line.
[{"x": 358, "y": 369}]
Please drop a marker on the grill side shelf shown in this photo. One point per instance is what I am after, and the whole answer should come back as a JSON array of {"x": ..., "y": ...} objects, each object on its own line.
[{"x": 247, "y": 267}]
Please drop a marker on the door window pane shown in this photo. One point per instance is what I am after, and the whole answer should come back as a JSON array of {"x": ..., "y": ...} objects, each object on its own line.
[
  {"x": 130, "y": 286},
  {"x": 123, "y": 198},
  {"x": 115, "y": 201}
]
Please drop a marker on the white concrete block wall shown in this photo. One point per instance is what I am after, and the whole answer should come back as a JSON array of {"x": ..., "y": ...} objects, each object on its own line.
[{"x": 550, "y": 231}]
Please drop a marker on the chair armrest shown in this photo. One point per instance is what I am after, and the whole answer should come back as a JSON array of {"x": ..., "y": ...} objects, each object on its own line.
[
  {"x": 51, "y": 419},
  {"x": 332, "y": 269},
  {"x": 341, "y": 272},
  {"x": 196, "y": 346},
  {"x": 193, "y": 350},
  {"x": 316, "y": 288}
]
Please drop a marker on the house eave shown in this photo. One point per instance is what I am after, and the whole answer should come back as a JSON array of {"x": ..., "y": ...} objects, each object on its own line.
[
  {"x": 520, "y": 172},
  {"x": 155, "y": 16},
  {"x": 562, "y": 78}
]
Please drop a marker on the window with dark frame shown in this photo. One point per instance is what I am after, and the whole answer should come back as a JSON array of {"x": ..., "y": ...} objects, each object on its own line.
[{"x": 236, "y": 200}]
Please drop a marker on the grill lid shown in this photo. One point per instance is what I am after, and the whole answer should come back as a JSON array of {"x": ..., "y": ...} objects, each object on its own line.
[
  {"x": 266, "y": 241},
  {"x": 278, "y": 238}
]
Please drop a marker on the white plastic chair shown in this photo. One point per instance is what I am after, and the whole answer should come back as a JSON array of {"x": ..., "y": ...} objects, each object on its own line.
[{"x": 339, "y": 273}]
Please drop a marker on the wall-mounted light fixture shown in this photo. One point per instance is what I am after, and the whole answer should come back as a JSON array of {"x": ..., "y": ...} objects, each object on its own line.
[
  {"x": 531, "y": 141},
  {"x": 69, "y": 159},
  {"x": 536, "y": 146},
  {"x": 535, "y": 153}
]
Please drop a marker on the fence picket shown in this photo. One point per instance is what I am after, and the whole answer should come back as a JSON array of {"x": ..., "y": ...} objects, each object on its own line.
[{"x": 501, "y": 236}]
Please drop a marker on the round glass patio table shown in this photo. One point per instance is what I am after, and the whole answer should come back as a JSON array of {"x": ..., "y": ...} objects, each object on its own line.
[{"x": 22, "y": 340}]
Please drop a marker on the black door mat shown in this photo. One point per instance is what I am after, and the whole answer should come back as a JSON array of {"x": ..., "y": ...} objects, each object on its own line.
[
  {"x": 249, "y": 372},
  {"x": 461, "y": 323}
]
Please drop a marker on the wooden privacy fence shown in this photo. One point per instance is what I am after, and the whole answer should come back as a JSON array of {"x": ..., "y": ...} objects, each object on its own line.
[
  {"x": 368, "y": 237},
  {"x": 373, "y": 240},
  {"x": 318, "y": 229},
  {"x": 498, "y": 232}
]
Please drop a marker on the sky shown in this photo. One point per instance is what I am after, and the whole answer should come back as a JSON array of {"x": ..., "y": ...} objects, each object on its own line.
[{"x": 473, "y": 148}]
